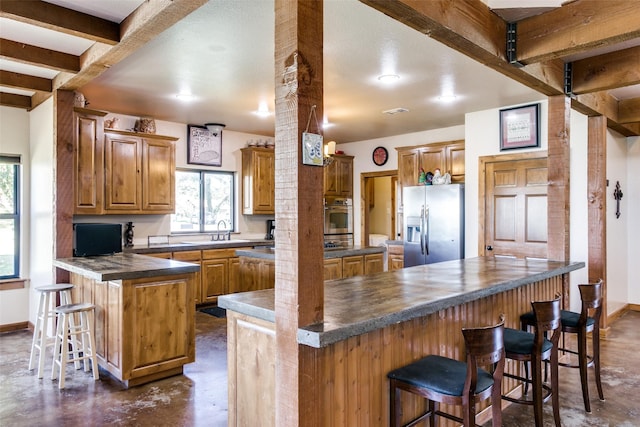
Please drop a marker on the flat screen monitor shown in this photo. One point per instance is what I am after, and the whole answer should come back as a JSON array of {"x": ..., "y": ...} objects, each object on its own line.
[{"x": 91, "y": 239}]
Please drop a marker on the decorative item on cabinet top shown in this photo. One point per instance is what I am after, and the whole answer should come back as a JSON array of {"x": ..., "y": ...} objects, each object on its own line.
[{"x": 145, "y": 125}]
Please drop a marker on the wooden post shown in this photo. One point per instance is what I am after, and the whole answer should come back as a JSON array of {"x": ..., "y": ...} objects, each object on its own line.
[
  {"x": 597, "y": 208},
  {"x": 63, "y": 175},
  {"x": 299, "y": 290}
]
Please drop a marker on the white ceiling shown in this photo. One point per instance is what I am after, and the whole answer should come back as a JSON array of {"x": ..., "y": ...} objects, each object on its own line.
[{"x": 223, "y": 55}]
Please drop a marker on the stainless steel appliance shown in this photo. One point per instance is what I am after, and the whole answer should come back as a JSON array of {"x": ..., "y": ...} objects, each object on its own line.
[
  {"x": 433, "y": 220},
  {"x": 338, "y": 241},
  {"x": 271, "y": 229},
  {"x": 338, "y": 216}
]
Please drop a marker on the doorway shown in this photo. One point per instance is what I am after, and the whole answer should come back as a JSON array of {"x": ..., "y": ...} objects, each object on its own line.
[{"x": 378, "y": 206}]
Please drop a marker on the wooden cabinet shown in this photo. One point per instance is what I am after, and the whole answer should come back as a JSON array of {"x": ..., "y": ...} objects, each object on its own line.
[
  {"x": 258, "y": 181},
  {"x": 216, "y": 273},
  {"x": 396, "y": 257},
  {"x": 333, "y": 268},
  {"x": 256, "y": 274},
  {"x": 447, "y": 156},
  {"x": 139, "y": 173},
  {"x": 352, "y": 266},
  {"x": 373, "y": 263},
  {"x": 338, "y": 177},
  {"x": 88, "y": 161},
  {"x": 194, "y": 257}
]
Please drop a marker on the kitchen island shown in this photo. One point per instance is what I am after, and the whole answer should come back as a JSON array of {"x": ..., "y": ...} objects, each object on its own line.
[
  {"x": 376, "y": 323},
  {"x": 144, "y": 322}
]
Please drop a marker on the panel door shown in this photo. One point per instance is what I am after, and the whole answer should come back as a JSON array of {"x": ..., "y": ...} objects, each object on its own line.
[
  {"x": 345, "y": 177},
  {"x": 193, "y": 257},
  {"x": 333, "y": 268},
  {"x": 264, "y": 201},
  {"x": 215, "y": 276},
  {"x": 89, "y": 164},
  {"x": 373, "y": 263},
  {"x": 352, "y": 266},
  {"x": 158, "y": 176},
  {"x": 408, "y": 168},
  {"x": 516, "y": 208},
  {"x": 123, "y": 186},
  {"x": 432, "y": 159}
]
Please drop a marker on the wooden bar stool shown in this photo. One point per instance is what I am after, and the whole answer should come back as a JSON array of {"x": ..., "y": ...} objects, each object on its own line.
[
  {"x": 535, "y": 348},
  {"x": 46, "y": 305},
  {"x": 442, "y": 380},
  {"x": 581, "y": 324},
  {"x": 82, "y": 333}
]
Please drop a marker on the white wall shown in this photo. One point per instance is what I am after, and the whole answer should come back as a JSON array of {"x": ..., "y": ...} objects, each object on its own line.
[
  {"x": 14, "y": 139},
  {"x": 631, "y": 209},
  {"x": 363, "y": 162}
]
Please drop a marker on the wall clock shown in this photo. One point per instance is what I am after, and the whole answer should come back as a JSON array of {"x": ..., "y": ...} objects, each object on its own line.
[{"x": 380, "y": 156}]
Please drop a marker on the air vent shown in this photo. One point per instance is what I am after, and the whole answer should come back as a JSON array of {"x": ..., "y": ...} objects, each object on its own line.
[{"x": 395, "y": 110}]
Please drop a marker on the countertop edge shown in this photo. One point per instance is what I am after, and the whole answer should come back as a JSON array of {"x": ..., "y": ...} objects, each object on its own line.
[{"x": 269, "y": 254}]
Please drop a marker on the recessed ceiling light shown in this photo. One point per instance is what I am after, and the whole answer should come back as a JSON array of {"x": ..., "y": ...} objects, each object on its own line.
[
  {"x": 388, "y": 78},
  {"x": 447, "y": 98},
  {"x": 183, "y": 96},
  {"x": 263, "y": 110}
]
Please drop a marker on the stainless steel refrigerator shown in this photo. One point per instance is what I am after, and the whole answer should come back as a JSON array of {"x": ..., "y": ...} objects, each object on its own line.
[{"x": 433, "y": 221}]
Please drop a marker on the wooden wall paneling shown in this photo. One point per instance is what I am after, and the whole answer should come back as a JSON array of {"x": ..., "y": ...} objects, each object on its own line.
[
  {"x": 558, "y": 175},
  {"x": 597, "y": 204}
]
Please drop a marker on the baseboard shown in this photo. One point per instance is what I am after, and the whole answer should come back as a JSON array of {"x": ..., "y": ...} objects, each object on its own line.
[
  {"x": 10, "y": 327},
  {"x": 634, "y": 307}
]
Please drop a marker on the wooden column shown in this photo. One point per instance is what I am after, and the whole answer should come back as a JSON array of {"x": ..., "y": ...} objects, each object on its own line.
[
  {"x": 597, "y": 207},
  {"x": 299, "y": 210},
  {"x": 63, "y": 175}
]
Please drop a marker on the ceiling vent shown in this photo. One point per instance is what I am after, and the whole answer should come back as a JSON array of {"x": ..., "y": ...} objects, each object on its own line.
[{"x": 395, "y": 110}]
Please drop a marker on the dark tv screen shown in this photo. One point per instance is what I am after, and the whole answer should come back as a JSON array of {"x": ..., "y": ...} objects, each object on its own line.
[{"x": 93, "y": 239}]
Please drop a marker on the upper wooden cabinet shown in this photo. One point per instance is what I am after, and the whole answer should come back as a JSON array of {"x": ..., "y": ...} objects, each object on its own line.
[
  {"x": 258, "y": 181},
  {"x": 120, "y": 172},
  {"x": 447, "y": 156},
  {"x": 88, "y": 161},
  {"x": 338, "y": 177}
]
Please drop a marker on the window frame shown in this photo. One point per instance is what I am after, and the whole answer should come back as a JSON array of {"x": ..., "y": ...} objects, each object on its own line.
[
  {"x": 15, "y": 215},
  {"x": 201, "y": 214}
]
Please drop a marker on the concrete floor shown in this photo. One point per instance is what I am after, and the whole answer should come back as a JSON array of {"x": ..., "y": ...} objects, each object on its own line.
[{"x": 199, "y": 397}]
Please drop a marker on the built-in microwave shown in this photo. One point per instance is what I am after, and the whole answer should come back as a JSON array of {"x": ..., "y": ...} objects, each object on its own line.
[{"x": 338, "y": 216}]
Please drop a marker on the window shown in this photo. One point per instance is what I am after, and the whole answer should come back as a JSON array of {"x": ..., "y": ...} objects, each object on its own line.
[
  {"x": 9, "y": 217},
  {"x": 204, "y": 199}
]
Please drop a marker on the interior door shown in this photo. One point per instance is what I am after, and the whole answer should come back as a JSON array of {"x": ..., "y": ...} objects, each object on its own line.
[{"x": 516, "y": 208}]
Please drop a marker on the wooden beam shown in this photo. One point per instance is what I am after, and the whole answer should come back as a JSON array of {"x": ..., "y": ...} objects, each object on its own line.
[
  {"x": 597, "y": 202},
  {"x": 629, "y": 110},
  {"x": 39, "y": 56},
  {"x": 558, "y": 205},
  {"x": 603, "y": 104},
  {"x": 14, "y": 100},
  {"x": 24, "y": 81},
  {"x": 299, "y": 295},
  {"x": 60, "y": 19},
  {"x": 577, "y": 27},
  {"x": 609, "y": 71}
]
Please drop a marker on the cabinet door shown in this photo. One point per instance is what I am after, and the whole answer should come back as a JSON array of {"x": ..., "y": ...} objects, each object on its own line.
[
  {"x": 234, "y": 275},
  {"x": 158, "y": 176},
  {"x": 396, "y": 262},
  {"x": 345, "y": 177},
  {"x": 455, "y": 161},
  {"x": 122, "y": 173},
  {"x": 215, "y": 276},
  {"x": 333, "y": 268},
  {"x": 331, "y": 179},
  {"x": 352, "y": 266},
  {"x": 258, "y": 181},
  {"x": 373, "y": 263},
  {"x": 88, "y": 164},
  {"x": 432, "y": 158},
  {"x": 408, "y": 170},
  {"x": 193, "y": 257}
]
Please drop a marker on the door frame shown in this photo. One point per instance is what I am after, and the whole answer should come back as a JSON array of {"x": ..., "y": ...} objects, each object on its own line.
[
  {"x": 364, "y": 202},
  {"x": 482, "y": 163}
]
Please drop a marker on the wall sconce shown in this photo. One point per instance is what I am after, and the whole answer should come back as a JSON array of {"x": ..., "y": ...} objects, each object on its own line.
[{"x": 214, "y": 128}]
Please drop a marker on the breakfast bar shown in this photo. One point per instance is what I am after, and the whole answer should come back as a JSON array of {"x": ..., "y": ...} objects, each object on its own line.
[
  {"x": 376, "y": 323},
  {"x": 145, "y": 327}
]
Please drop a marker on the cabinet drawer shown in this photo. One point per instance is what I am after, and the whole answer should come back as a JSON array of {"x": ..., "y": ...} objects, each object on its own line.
[
  {"x": 395, "y": 249},
  {"x": 187, "y": 256},
  {"x": 218, "y": 253},
  {"x": 163, "y": 255}
]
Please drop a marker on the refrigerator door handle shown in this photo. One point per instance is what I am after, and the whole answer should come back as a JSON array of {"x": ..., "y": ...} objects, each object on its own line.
[
  {"x": 426, "y": 229},
  {"x": 422, "y": 230}
]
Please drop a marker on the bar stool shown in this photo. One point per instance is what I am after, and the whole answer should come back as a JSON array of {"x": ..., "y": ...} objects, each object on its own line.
[
  {"x": 587, "y": 321},
  {"x": 82, "y": 334},
  {"x": 442, "y": 380},
  {"x": 536, "y": 349},
  {"x": 41, "y": 338}
]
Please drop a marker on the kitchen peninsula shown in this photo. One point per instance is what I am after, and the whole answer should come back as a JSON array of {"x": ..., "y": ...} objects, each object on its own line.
[
  {"x": 144, "y": 322},
  {"x": 376, "y": 323}
]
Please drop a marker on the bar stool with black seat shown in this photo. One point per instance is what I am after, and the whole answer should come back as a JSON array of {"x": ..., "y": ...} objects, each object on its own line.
[
  {"x": 581, "y": 324},
  {"x": 46, "y": 306},
  {"x": 443, "y": 380},
  {"x": 536, "y": 349},
  {"x": 81, "y": 333}
]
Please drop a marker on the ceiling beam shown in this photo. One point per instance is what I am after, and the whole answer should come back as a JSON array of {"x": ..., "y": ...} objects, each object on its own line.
[
  {"x": 609, "y": 71},
  {"x": 57, "y": 18},
  {"x": 629, "y": 110},
  {"x": 14, "y": 100},
  {"x": 24, "y": 81},
  {"x": 39, "y": 56},
  {"x": 577, "y": 27}
]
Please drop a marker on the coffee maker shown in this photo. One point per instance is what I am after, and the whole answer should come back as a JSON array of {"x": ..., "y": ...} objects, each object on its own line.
[{"x": 271, "y": 229}]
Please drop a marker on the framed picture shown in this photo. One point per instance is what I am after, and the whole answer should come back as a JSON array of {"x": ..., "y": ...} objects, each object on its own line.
[
  {"x": 203, "y": 147},
  {"x": 519, "y": 127}
]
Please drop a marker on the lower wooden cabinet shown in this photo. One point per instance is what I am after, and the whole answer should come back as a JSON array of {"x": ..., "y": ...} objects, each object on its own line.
[
  {"x": 373, "y": 263},
  {"x": 352, "y": 266},
  {"x": 333, "y": 268},
  {"x": 396, "y": 257},
  {"x": 195, "y": 258}
]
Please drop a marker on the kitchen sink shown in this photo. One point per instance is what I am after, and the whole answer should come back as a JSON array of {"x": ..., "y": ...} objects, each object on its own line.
[{"x": 216, "y": 242}]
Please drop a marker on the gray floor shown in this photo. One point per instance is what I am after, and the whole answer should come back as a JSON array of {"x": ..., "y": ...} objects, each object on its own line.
[{"x": 199, "y": 397}]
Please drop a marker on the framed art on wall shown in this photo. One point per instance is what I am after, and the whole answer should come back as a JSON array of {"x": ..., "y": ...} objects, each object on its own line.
[
  {"x": 203, "y": 147},
  {"x": 519, "y": 127}
]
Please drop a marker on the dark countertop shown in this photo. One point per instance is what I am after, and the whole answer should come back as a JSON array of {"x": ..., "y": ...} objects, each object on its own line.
[
  {"x": 197, "y": 245},
  {"x": 361, "y": 304},
  {"x": 269, "y": 253},
  {"x": 123, "y": 266}
]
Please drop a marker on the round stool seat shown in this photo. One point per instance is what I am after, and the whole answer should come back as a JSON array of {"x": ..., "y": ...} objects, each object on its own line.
[
  {"x": 75, "y": 308},
  {"x": 54, "y": 288}
]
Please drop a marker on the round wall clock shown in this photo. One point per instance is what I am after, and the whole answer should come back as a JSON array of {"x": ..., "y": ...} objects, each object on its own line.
[{"x": 380, "y": 156}]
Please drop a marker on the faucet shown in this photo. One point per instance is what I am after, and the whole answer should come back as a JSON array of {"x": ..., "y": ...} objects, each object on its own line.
[{"x": 218, "y": 232}]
